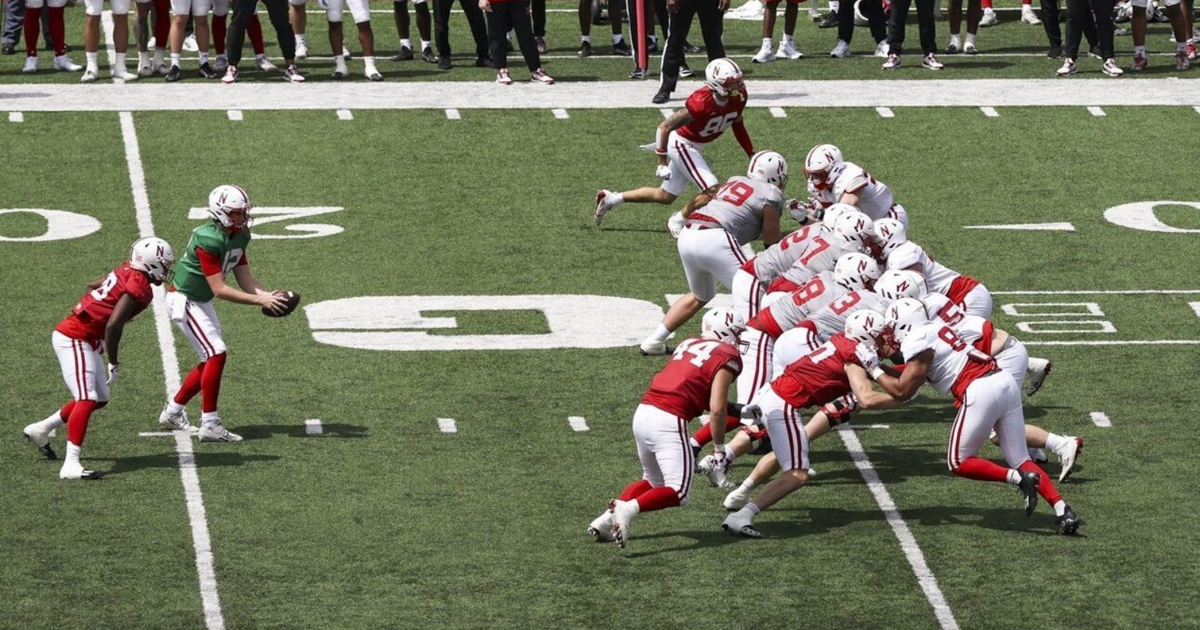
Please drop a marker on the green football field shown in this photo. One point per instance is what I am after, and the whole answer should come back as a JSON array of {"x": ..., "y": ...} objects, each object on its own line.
[{"x": 493, "y": 303}]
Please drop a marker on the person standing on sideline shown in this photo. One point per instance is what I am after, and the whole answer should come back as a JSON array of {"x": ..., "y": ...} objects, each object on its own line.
[
  {"x": 14, "y": 22},
  {"x": 400, "y": 13},
  {"x": 925, "y": 21},
  {"x": 620, "y": 48},
  {"x": 503, "y": 15},
  {"x": 243, "y": 12},
  {"x": 1079, "y": 14},
  {"x": 712, "y": 25},
  {"x": 441, "y": 32}
]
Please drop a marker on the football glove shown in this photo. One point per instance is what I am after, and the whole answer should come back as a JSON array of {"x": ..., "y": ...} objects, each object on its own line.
[
  {"x": 663, "y": 172},
  {"x": 112, "y": 373},
  {"x": 720, "y": 459},
  {"x": 676, "y": 223},
  {"x": 867, "y": 356},
  {"x": 799, "y": 210}
]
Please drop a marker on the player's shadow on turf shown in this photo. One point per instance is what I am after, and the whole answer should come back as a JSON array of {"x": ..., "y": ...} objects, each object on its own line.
[
  {"x": 981, "y": 64},
  {"x": 263, "y": 431},
  {"x": 1012, "y": 519},
  {"x": 203, "y": 460}
]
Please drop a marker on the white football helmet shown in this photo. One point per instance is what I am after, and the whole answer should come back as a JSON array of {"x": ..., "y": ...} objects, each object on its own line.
[
  {"x": 724, "y": 77},
  {"x": 864, "y": 325},
  {"x": 153, "y": 256},
  {"x": 818, "y": 164},
  {"x": 897, "y": 284},
  {"x": 769, "y": 167},
  {"x": 227, "y": 198},
  {"x": 835, "y": 212},
  {"x": 890, "y": 234},
  {"x": 722, "y": 324},
  {"x": 856, "y": 271},
  {"x": 853, "y": 221},
  {"x": 903, "y": 316}
]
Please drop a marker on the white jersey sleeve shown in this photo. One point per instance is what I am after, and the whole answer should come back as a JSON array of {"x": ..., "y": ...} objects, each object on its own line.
[
  {"x": 820, "y": 256},
  {"x": 938, "y": 277},
  {"x": 775, "y": 259}
]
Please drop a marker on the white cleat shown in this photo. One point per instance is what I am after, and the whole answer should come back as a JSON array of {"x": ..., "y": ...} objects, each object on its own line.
[
  {"x": 737, "y": 499},
  {"x": 601, "y": 528},
  {"x": 989, "y": 18},
  {"x": 301, "y": 51},
  {"x": 716, "y": 477},
  {"x": 89, "y": 77},
  {"x": 64, "y": 63},
  {"x": 145, "y": 71},
  {"x": 1111, "y": 68},
  {"x": 1068, "y": 68},
  {"x": 1028, "y": 16},
  {"x": 217, "y": 433},
  {"x": 930, "y": 61},
  {"x": 970, "y": 49},
  {"x": 174, "y": 421},
  {"x": 30, "y": 65},
  {"x": 788, "y": 50},
  {"x": 123, "y": 74},
  {"x": 602, "y": 204},
  {"x": 765, "y": 54},
  {"x": 264, "y": 64},
  {"x": 1038, "y": 455},
  {"x": 741, "y": 525},
  {"x": 881, "y": 50},
  {"x": 841, "y": 51},
  {"x": 1038, "y": 370},
  {"x": 40, "y": 438},
  {"x": 653, "y": 348},
  {"x": 622, "y": 513},
  {"x": 75, "y": 470},
  {"x": 1069, "y": 457},
  {"x": 162, "y": 70}
]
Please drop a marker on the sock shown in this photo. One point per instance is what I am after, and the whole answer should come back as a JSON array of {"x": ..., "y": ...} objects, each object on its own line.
[
  {"x": 767, "y": 41},
  {"x": 339, "y": 63},
  {"x": 158, "y": 57},
  {"x": 190, "y": 387},
  {"x": 369, "y": 65},
  {"x": 77, "y": 423},
  {"x": 406, "y": 43},
  {"x": 254, "y": 32},
  {"x": 221, "y": 57},
  {"x": 143, "y": 58},
  {"x": 787, "y": 39},
  {"x": 1060, "y": 508},
  {"x": 1045, "y": 487},
  {"x": 1054, "y": 441},
  {"x": 657, "y": 499},
  {"x": 704, "y": 434},
  {"x": 73, "y": 452},
  {"x": 58, "y": 30},
  {"x": 833, "y": 6},
  {"x": 119, "y": 61},
  {"x": 203, "y": 58},
  {"x": 210, "y": 383},
  {"x": 618, "y": 38},
  {"x": 970, "y": 39},
  {"x": 634, "y": 490},
  {"x": 425, "y": 43},
  {"x": 174, "y": 407},
  {"x": 614, "y": 199},
  {"x": 587, "y": 39},
  {"x": 751, "y": 510},
  {"x": 1014, "y": 477},
  {"x": 175, "y": 58},
  {"x": 55, "y": 420},
  {"x": 660, "y": 333},
  {"x": 1179, "y": 47},
  {"x": 748, "y": 484},
  {"x": 93, "y": 63},
  {"x": 209, "y": 418},
  {"x": 33, "y": 28},
  {"x": 259, "y": 56},
  {"x": 301, "y": 39},
  {"x": 954, "y": 41},
  {"x": 980, "y": 469},
  {"x": 218, "y": 33}
]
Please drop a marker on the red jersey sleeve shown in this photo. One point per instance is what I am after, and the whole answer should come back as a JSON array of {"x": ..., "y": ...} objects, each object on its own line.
[
  {"x": 697, "y": 105},
  {"x": 138, "y": 286},
  {"x": 764, "y": 321},
  {"x": 209, "y": 264}
]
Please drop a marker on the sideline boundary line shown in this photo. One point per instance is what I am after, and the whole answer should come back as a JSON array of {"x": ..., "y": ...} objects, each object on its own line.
[{"x": 214, "y": 619}]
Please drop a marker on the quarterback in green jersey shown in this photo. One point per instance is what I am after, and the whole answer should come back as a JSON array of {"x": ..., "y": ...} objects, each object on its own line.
[{"x": 214, "y": 249}]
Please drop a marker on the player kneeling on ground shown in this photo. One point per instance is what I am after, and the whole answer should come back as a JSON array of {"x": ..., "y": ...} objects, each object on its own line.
[
  {"x": 95, "y": 324},
  {"x": 696, "y": 378},
  {"x": 215, "y": 249}
]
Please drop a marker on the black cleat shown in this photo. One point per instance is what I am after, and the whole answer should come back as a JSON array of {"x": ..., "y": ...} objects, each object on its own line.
[
  {"x": 405, "y": 54},
  {"x": 621, "y": 49},
  {"x": 46, "y": 450},
  {"x": 651, "y": 45},
  {"x": 695, "y": 454},
  {"x": 1055, "y": 51},
  {"x": 661, "y": 97},
  {"x": 8, "y": 49},
  {"x": 484, "y": 62},
  {"x": 689, "y": 48},
  {"x": 207, "y": 72},
  {"x": 638, "y": 73},
  {"x": 1068, "y": 523},
  {"x": 173, "y": 75},
  {"x": 830, "y": 21},
  {"x": 952, "y": 49},
  {"x": 444, "y": 63},
  {"x": 1029, "y": 490},
  {"x": 585, "y": 50},
  {"x": 427, "y": 55}
]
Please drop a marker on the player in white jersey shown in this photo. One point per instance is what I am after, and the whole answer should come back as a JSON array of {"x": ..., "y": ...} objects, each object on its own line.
[
  {"x": 710, "y": 247},
  {"x": 903, "y": 254},
  {"x": 986, "y": 396},
  {"x": 821, "y": 254},
  {"x": 850, "y": 184},
  {"x": 854, "y": 272}
]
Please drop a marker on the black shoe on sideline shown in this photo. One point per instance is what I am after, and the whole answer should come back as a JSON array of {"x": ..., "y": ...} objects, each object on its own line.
[
  {"x": 585, "y": 50},
  {"x": 638, "y": 74},
  {"x": 207, "y": 72},
  {"x": 1055, "y": 52},
  {"x": 661, "y": 97},
  {"x": 484, "y": 62},
  {"x": 173, "y": 74},
  {"x": 444, "y": 63},
  {"x": 689, "y": 48},
  {"x": 830, "y": 21},
  {"x": 405, "y": 54},
  {"x": 427, "y": 55},
  {"x": 622, "y": 49},
  {"x": 8, "y": 49}
]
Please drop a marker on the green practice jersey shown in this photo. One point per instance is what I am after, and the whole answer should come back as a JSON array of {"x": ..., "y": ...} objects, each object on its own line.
[{"x": 229, "y": 249}]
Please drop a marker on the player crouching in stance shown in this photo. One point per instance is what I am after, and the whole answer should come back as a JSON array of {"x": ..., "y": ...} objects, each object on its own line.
[
  {"x": 681, "y": 138},
  {"x": 96, "y": 323},
  {"x": 696, "y": 378},
  {"x": 986, "y": 397},
  {"x": 215, "y": 249}
]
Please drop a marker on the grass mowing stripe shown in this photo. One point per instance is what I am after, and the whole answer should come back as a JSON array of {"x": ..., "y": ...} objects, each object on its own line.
[
  {"x": 908, "y": 543},
  {"x": 201, "y": 541}
]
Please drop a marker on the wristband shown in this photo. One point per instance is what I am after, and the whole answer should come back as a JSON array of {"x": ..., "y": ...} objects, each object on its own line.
[{"x": 876, "y": 372}]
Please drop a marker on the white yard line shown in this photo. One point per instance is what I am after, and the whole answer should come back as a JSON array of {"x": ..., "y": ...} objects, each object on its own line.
[
  {"x": 578, "y": 423},
  {"x": 1197, "y": 108},
  {"x": 345, "y": 114},
  {"x": 778, "y": 112},
  {"x": 560, "y": 113},
  {"x": 990, "y": 112},
  {"x": 447, "y": 425},
  {"x": 451, "y": 96},
  {"x": 234, "y": 114},
  {"x": 1142, "y": 342},
  {"x": 313, "y": 427},
  {"x": 16, "y": 117},
  {"x": 453, "y": 114},
  {"x": 666, "y": 113},
  {"x": 885, "y": 112},
  {"x": 916, "y": 559},
  {"x": 201, "y": 541},
  {"x": 1105, "y": 292},
  {"x": 1100, "y": 419},
  {"x": 156, "y": 434},
  {"x": 1050, "y": 227}
]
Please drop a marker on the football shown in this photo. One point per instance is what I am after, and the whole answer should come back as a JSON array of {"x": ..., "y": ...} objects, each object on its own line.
[{"x": 293, "y": 300}]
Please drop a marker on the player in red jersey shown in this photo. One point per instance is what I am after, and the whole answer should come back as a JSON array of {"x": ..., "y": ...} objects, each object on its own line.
[
  {"x": 829, "y": 373},
  {"x": 96, "y": 323},
  {"x": 681, "y": 138},
  {"x": 695, "y": 379}
]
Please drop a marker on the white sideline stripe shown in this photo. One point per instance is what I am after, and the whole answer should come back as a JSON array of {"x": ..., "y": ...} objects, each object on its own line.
[
  {"x": 438, "y": 96},
  {"x": 344, "y": 114},
  {"x": 1048, "y": 227},
  {"x": 1195, "y": 307},
  {"x": 313, "y": 427},
  {"x": 1100, "y": 419},
  {"x": 885, "y": 112},
  {"x": 778, "y": 112},
  {"x": 860, "y": 427},
  {"x": 578, "y": 423},
  {"x": 990, "y": 112},
  {"x": 1143, "y": 342},
  {"x": 666, "y": 113},
  {"x": 156, "y": 434},
  {"x": 560, "y": 113},
  {"x": 16, "y": 117},
  {"x": 1096, "y": 111},
  {"x": 453, "y": 114},
  {"x": 1105, "y": 292},
  {"x": 234, "y": 114},
  {"x": 925, "y": 577},
  {"x": 447, "y": 425},
  {"x": 201, "y": 541}
]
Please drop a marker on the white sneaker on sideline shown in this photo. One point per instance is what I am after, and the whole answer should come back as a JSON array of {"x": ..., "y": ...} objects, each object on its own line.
[
  {"x": 64, "y": 63},
  {"x": 893, "y": 62},
  {"x": 788, "y": 50},
  {"x": 881, "y": 49},
  {"x": 189, "y": 43},
  {"x": 264, "y": 64},
  {"x": 123, "y": 74},
  {"x": 1111, "y": 68},
  {"x": 766, "y": 54},
  {"x": 301, "y": 51},
  {"x": 930, "y": 61},
  {"x": 1028, "y": 16},
  {"x": 89, "y": 76},
  {"x": 841, "y": 51},
  {"x": 989, "y": 18},
  {"x": 1068, "y": 68}
]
